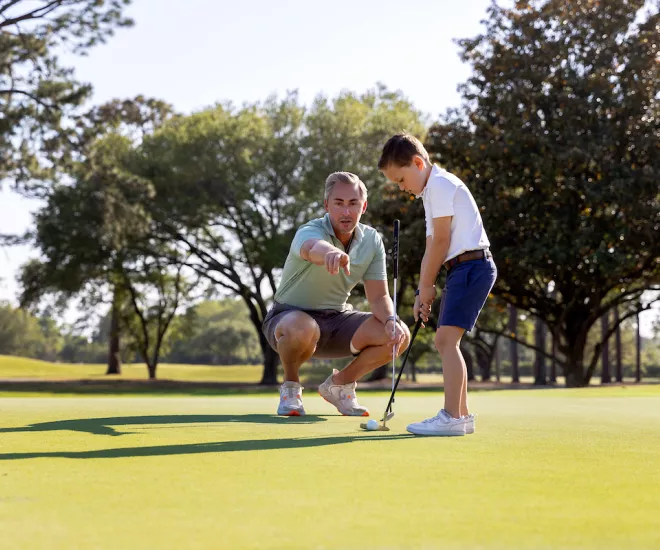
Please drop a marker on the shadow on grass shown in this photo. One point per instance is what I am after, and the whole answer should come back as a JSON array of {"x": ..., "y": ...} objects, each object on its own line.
[
  {"x": 216, "y": 447},
  {"x": 104, "y": 426}
]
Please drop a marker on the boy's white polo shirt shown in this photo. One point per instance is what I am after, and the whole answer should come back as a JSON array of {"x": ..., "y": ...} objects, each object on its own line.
[{"x": 446, "y": 195}]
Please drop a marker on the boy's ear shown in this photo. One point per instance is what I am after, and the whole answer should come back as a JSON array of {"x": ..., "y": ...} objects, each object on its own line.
[{"x": 418, "y": 162}]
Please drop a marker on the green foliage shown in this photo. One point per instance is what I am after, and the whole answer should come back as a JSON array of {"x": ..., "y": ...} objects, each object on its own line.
[
  {"x": 557, "y": 139},
  {"x": 232, "y": 185},
  {"x": 215, "y": 333},
  {"x": 23, "y": 334},
  {"x": 37, "y": 94}
]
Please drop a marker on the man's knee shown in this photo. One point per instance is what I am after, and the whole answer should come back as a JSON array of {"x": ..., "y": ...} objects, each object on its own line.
[{"x": 298, "y": 332}]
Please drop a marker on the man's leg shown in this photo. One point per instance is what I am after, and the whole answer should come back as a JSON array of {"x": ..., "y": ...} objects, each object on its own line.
[
  {"x": 297, "y": 335},
  {"x": 370, "y": 339},
  {"x": 447, "y": 341}
]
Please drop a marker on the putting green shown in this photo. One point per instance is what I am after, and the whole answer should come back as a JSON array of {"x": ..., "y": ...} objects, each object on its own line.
[{"x": 546, "y": 469}]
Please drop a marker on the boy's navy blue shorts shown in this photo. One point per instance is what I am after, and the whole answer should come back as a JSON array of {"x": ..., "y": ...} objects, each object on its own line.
[{"x": 466, "y": 289}]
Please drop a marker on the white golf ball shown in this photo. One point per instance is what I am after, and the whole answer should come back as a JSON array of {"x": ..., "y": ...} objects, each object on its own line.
[{"x": 372, "y": 424}]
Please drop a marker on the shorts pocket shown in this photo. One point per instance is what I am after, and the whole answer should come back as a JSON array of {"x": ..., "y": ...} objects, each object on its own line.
[{"x": 458, "y": 277}]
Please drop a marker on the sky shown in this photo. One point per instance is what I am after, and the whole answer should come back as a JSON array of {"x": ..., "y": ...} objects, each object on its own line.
[{"x": 199, "y": 52}]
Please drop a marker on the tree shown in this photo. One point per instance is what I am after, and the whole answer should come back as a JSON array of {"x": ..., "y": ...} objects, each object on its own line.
[
  {"x": 539, "y": 358},
  {"x": 513, "y": 344},
  {"x": 86, "y": 228},
  {"x": 232, "y": 185},
  {"x": 557, "y": 138},
  {"x": 618, "y": 349},
  {"x": 36, "y": 93},
  {"x": 25, "y": 335},
  {"x": 157, "y": 290},
  {"x": 216, "y": 332},
  {"x": 605, "y": 377}
]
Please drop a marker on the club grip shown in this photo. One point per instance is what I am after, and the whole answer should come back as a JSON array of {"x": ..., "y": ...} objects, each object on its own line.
[{"x": 395, "y": 248}]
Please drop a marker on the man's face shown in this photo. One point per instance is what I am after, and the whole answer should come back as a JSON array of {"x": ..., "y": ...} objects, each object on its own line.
[
  {"x": 345, "y": 206},
  {"x": 411, "y": 178}
]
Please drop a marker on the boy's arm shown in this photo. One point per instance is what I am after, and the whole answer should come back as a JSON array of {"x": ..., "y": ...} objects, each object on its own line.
[{"x": 434, "y": 256}]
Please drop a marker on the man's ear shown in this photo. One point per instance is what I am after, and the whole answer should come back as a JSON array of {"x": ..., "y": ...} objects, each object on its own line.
[
  {"x": 364, "y": 207},
  {"x": 325, "y": 205}
]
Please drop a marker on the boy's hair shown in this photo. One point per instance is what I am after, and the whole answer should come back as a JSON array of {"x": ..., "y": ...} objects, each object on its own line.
[
  {"x": 400, "y": 149},
  {"x": 344, "y": 177}
]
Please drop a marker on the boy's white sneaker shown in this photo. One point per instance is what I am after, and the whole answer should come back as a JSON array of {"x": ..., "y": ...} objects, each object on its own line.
[
  {"x": 342, "y": 396},
  {"x": 291, "y": 400},
  {"x": 470, "y": 421},
  {"x": 441, "y": 424}
]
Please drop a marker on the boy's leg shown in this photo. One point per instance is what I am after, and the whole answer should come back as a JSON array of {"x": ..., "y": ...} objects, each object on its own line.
[
  {"x": 464, "y": 406},
  {"x": 447, "y": 342}
]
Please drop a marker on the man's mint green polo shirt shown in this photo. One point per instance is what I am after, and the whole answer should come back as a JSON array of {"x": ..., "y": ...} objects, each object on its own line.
[{"x": 310, "y": 286}]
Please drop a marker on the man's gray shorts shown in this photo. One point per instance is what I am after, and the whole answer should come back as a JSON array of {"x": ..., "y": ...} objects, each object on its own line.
[{"x": 337, "y": 328}]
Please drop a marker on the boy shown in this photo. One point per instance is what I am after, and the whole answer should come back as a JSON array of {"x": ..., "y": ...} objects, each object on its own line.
[{"x": 455, "y": 238}]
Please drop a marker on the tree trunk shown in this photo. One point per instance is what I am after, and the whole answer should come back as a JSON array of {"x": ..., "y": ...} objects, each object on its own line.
[
  {"x": 513, "y": 345},
  {"x": 151, "y": 368},
  {"x": 553, "y": 364},
  {"x": 539, "y": 359},
  {"x": 484, "y": 362},
  {"x": 638, "y": 358},
  {"x": 498, "y": 360},
  {"x": 114, "y": 354},
  {"x": 605, "y": 377},
  {"x": 574, "y": 373},
  {"x": 619, "y": 365},
  {"x": 271, "y": 361}
]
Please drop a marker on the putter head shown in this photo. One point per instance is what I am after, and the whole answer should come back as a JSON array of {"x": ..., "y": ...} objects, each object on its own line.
[
  {"x": 381, "y": 428},
  {"x": 388, "y": 416}
]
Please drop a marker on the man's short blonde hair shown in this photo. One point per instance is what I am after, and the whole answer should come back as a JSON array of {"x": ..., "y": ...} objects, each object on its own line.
[{"x": 344, "y": 177}]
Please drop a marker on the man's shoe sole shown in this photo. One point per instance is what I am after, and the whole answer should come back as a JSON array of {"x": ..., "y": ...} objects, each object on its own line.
[
  {"x": 365, "y": 413},
  {"x": 291, "y": 413}
]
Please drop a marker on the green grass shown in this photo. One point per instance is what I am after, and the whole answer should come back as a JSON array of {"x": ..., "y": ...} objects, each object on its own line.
[
  {"x": 546, "y": 469},
  {"x": 23, "y": 368}
]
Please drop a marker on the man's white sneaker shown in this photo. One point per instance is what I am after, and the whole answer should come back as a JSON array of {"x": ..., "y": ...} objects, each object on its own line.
[
  {"x": 291, "y": 400},
  {"x": 343, "y": 397},
  {"x": 470, "y": 421},
  {"x": 441, "y": 424}
]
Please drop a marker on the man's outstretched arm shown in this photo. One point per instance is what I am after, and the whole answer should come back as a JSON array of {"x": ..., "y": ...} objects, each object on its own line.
[{"x": 320, "y": 252}]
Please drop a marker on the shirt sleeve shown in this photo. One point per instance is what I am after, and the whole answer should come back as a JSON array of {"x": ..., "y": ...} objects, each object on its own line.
[
  {"x": 441, "y": 197},
  {"x": 377, "y": 270},
  {"x": 305, "y": 233}
]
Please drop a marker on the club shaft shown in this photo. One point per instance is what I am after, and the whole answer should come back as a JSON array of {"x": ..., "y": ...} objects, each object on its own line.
[
  {"x": 403, "y": 365},
  {"x": 395, "y": 254}
]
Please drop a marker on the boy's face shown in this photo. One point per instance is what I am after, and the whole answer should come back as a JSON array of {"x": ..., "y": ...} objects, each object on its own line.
[
  {"x": 345, "y": 206},
  {"x": 411, "y": 178}
]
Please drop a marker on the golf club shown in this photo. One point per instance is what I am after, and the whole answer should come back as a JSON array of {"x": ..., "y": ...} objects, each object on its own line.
[
  {"x": 395, "y": 270},
  {"x": 382, "y": 427}
]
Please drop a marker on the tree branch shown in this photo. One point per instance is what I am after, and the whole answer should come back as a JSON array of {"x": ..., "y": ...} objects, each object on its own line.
[
  {"x": 31, "y": 96},
  {"x": 522, "y": 342},
  {"x": 612, "y": 330},
  {"x": 34, "y": 14}
]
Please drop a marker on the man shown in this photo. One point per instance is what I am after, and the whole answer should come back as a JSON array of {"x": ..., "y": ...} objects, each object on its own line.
[{"x": 310, "y": 317}]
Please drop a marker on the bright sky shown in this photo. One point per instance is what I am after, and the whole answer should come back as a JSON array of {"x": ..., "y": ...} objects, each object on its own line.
[{"x": 195, "y": 53}]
